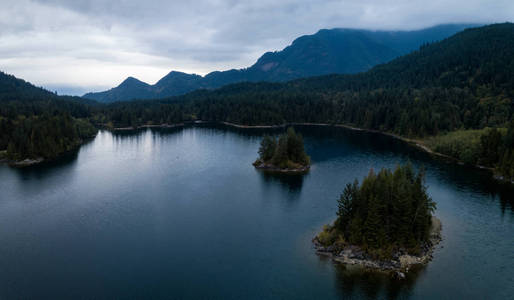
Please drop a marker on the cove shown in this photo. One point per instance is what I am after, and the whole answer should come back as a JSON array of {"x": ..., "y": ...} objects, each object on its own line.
[{"x": 182, "y": 213}]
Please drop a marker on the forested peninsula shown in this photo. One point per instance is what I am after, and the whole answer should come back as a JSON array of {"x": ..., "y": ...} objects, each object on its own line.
[
  {"x": 454, "y": 97},
  {"x": 384, "y": 223},
  {"x": 37, "y": 125}
]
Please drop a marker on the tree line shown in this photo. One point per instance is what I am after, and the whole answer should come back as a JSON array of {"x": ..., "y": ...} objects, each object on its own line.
[
  {"x": 35, "y": 123},
  {"x": 465, "y": 82}
]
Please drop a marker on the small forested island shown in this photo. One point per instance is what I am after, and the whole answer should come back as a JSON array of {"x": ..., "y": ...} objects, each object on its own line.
[
  {"x": 285, "y": 155},
  {"x": 385, "y": 223}
]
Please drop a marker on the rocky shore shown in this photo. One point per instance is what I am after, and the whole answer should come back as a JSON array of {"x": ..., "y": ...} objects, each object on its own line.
[
  {"x": 27, "y": 162},
  {"x": 272, "y": 168},
  {"x": 398, "y": 265}
]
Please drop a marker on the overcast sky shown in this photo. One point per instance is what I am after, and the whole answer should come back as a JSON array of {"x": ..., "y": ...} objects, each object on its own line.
[{"x": 77, "y": 46}]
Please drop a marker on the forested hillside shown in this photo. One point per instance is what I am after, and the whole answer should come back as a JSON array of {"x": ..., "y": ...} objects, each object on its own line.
[
  {"x": 35, "y": 123},
  {"x": 463, "y": 82}
]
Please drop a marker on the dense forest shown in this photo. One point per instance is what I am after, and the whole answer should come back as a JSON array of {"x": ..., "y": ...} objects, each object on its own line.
[
  {"x": 388, "y": 211},
  {"x": 35, "y": 123},
  {"x": 286, "y": 153},
  {"x": 463, "y": 83},
  {"x": 489, "y": 147}
]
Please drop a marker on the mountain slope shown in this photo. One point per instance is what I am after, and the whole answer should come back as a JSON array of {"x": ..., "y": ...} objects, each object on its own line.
[
  {"x": 12, "y": 88},
  {"x": 462, "y": 85},
  {"x": 130, "y": 88},
  {"x": 464, "y": 81},
  {"x": 343, "y": 51}
]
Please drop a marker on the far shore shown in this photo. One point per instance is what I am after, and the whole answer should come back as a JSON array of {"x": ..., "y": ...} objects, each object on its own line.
[
  {"x": 144, "y": 126},
  {"x": 413, "y": 142},
  {"x": 416, "y": 143}
]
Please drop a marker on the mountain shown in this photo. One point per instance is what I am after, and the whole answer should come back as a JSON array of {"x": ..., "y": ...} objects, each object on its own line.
[
  {"x": 465, "y": 81},
  {"x": 343, "y": 51},
  {"x": 130, "y": 88},
  {"x": 456, "y": 94}
]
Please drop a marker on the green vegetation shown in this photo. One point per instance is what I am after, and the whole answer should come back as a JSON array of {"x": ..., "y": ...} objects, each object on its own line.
[
  {"x": 465, "y": 82},
  {"x": 489, "y": 147},
  {"x": 35, "y": 123},
  {"x": 46, "y": 136},
  {"x": 286, "y": 153},
  {"x": 388, "y": 211},
  {"x": 461, "y": 144}
]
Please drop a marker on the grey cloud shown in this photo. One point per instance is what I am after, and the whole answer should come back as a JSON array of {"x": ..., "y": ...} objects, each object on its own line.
[{"x": 94, "y": 43}]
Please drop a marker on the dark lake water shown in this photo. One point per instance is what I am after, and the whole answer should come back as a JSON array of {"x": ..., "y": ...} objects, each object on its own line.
[{"x": 183, "y": 214}]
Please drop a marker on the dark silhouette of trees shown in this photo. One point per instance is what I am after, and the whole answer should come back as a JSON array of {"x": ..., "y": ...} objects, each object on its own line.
[
  {"x": 465, "y": 82},
  {"x": 287, "y": 152},
  {"x": 35, "y": 123},
  {"x": 388, "y": 211}
]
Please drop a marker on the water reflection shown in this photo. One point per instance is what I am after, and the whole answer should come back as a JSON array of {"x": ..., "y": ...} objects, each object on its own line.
[
  {"x": 179, "y": 189},
  {"x": 133, "y": 136},
  {"x": 328, "y": 143},
  {"x": 352, "y": 281},
  {"x": 504, "y": 192},
  {"x": 292, "y": 183},
  {"x": 40, "y": 171},
  {"x": 325, "y": 143}
]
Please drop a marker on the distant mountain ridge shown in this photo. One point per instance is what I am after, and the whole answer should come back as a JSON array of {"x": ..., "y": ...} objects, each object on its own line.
[{"x": 329, "y": 51}]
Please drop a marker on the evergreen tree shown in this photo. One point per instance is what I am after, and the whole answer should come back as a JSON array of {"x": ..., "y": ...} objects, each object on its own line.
[
  {"x": 345, "y": 205},
  {"x": 267, "y": 148},
  {"x": 388, "y": 210},
  {"x": 280, "y": 157}
]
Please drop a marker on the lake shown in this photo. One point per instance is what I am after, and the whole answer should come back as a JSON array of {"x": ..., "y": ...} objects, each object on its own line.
[{"x": 182, "y": 213}]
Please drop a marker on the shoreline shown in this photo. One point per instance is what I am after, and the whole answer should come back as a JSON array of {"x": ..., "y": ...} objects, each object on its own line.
[
  {"x": 144, "y": 126},
  {"x": 27, "y": 162},
  {"x": 399, "y": 265},
  {"x": 415, "y": 143},
  {"x": 252, "y": 126},
  {"x": 412, "y": 142},
  {"x": 274, "y": 169}
]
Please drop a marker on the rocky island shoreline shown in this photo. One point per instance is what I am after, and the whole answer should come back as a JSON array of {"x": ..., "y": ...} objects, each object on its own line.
[
  {"x": 384, "y": 224},
  {"x": 400, "y": 262},
  {"x": 272, "y": 168}
]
